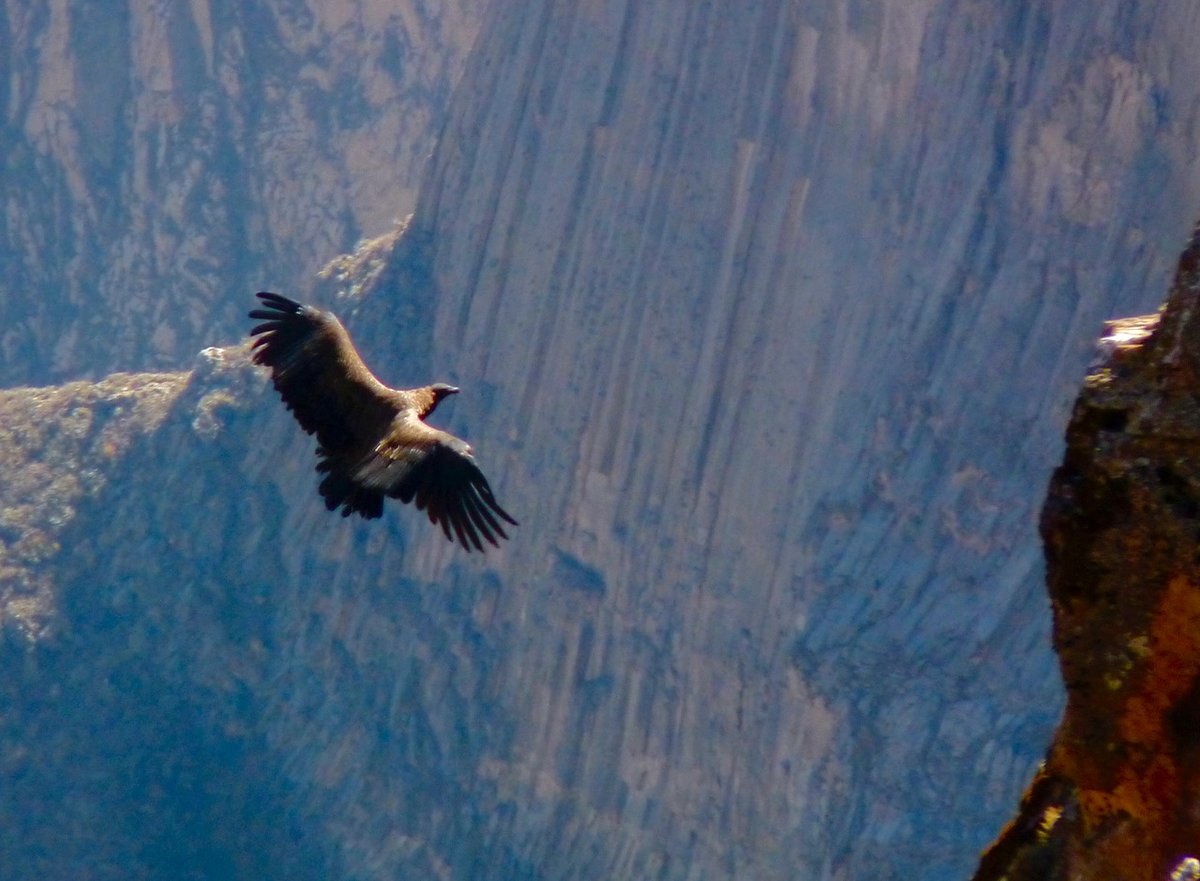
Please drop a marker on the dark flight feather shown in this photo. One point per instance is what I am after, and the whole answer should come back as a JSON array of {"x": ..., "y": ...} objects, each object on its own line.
[{"x": 373, "y": 440}]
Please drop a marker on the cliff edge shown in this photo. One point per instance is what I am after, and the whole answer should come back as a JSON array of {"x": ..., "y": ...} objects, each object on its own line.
[{"x": 1117, "y": 797}]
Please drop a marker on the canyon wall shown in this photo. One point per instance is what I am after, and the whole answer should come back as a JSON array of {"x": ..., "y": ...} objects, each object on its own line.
[
  {"x": 784, "y": 313},
  {"x": 768, "y": 325}
]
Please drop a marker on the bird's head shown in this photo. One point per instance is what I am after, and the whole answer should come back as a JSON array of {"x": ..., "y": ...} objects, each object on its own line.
[{"x": 438, "y": 391}]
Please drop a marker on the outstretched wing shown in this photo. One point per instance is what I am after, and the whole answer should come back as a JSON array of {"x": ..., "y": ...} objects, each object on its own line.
[
  {"x": 434, "y": 469},
  {"x": 319, "y": 374}
]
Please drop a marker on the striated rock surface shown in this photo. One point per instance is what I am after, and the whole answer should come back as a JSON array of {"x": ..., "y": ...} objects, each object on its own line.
[
  {"x": 784, "y": 312},
  {"x": 157, "y": 156},
  {"x": 768, "y": 324},
  {"x": 1119, "y": 794}
]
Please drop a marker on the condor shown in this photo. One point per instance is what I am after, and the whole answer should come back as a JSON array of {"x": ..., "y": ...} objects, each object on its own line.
[{"x": 373, "y": 440}]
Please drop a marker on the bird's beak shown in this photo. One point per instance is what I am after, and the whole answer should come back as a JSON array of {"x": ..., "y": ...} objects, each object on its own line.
[{"x": 453, "y": 390}]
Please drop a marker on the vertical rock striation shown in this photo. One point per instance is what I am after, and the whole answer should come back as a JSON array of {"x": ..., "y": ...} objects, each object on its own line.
[
  {"x": 1119, "y": 793},
  {"x": 783, "y": 311}
]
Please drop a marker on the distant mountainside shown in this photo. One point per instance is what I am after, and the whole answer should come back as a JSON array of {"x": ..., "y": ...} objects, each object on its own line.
[
  {"x": 768, "y": 326},
  {"x": 160, "y": 157}
]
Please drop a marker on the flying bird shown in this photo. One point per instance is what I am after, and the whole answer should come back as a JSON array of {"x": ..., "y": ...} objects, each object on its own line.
[{"x": 373, "y": 440}]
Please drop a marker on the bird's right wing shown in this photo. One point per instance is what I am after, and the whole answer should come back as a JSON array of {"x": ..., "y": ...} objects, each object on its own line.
[{"x": 318, "y": 372}]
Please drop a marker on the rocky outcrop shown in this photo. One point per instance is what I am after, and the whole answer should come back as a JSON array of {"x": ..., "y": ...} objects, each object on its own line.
[
  {"x": 157, "y": 157},
  {"x": 1118, "y": 795},
  {"x": 58, "y": 446}
]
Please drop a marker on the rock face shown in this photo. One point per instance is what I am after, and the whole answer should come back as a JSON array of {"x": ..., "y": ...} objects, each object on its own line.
[
  {"x": 59, "y": 446},
  {"x": 817, "y": 320},
  {"x": 159, "y": 156},
  {"x": 767, "y": 326},
  {"x": 1117, "y": 797}
]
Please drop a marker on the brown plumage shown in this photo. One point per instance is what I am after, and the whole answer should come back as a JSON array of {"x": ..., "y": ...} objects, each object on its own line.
[{"x": 373, "y": 439}]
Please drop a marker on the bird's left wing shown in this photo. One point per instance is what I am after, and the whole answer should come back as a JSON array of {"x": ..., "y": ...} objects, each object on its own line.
[{"x": 435, "y": 469}]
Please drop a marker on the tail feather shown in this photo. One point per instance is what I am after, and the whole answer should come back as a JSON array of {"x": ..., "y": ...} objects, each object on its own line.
[{"x": 339, "y": 490}]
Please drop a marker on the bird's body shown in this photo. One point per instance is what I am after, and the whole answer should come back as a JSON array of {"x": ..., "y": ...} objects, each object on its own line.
[{"x": 373, "y": 439}]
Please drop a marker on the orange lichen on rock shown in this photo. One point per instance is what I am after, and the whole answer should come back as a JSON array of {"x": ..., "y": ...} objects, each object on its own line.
[
  {"x": 1171, "y": 668},
  {"x": 1148, "y": 780}
]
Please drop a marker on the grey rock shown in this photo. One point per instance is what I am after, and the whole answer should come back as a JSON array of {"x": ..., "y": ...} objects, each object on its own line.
[{"x": 158, "y": 157}]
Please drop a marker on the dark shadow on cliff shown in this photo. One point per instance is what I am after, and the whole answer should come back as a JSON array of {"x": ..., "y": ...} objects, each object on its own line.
[{"x": 132, "y": 736}]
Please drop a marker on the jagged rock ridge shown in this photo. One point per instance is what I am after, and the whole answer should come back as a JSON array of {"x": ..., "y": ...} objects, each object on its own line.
[{"x": 1118, "y": 795}]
